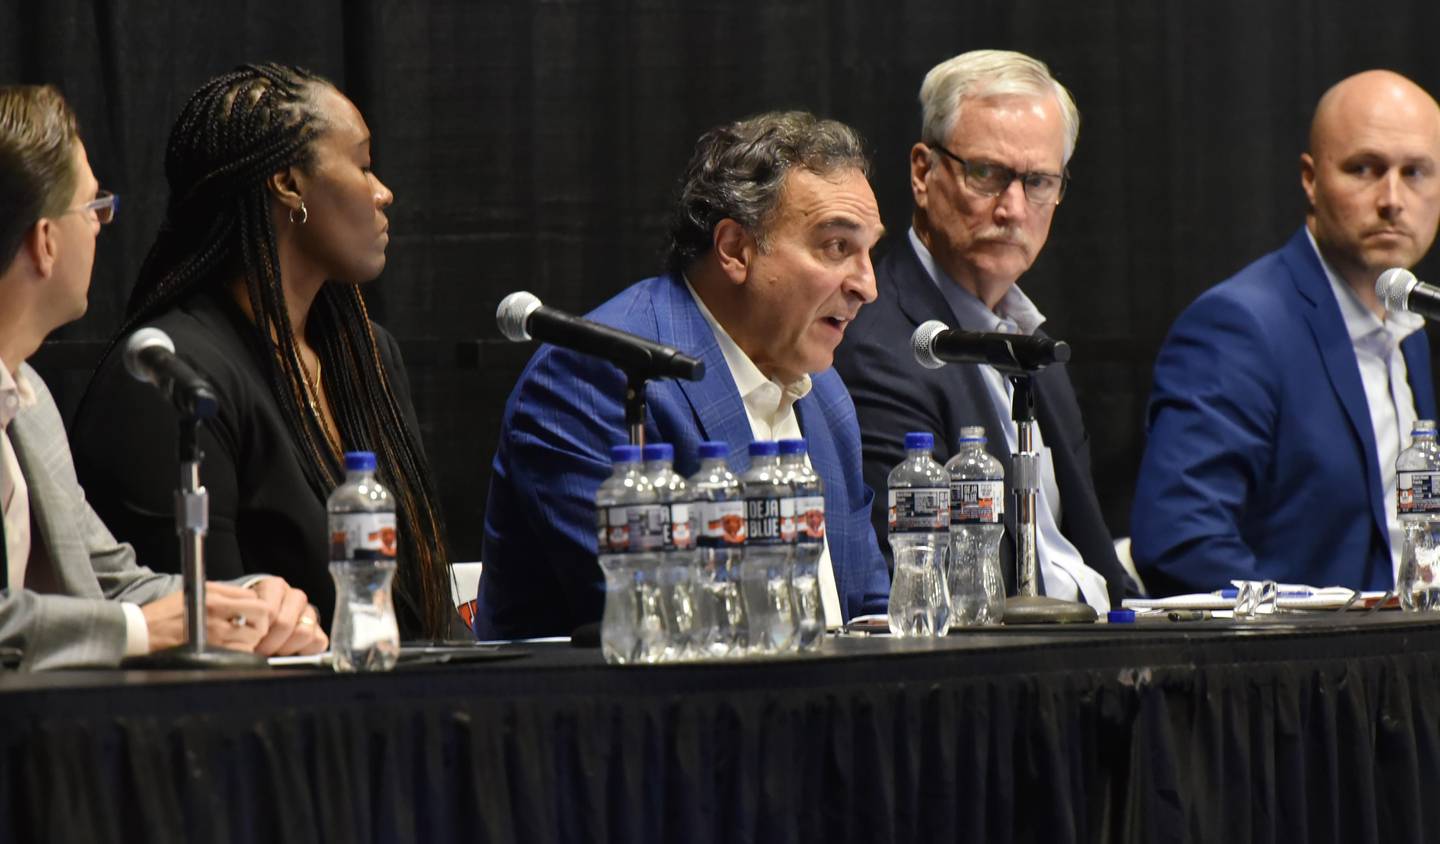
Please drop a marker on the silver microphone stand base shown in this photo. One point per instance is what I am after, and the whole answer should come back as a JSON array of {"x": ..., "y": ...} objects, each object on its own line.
[
  {"x": 1042, "y": 609},
  {"x": 182, "y": 657}
]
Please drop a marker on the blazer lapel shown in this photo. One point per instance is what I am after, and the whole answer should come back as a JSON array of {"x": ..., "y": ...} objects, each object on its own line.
[
  {"x": 715, "y": 400},
  {"x": 1416, "y": 349},
  {"x": 54, "y": 539},
  {"x": 920, "y": 300},
  {"x": 820, "y": 417},
  {"x": 969, "y": 396},
  {"x": 1337, "y": 352}
]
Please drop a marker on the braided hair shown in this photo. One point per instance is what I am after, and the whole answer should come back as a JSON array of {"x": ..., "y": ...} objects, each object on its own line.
[{"x": 234, "y": 132}]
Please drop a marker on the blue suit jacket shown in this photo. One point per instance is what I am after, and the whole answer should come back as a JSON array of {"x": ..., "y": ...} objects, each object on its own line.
[
  {"x": 540, "y": 575},
  {"x": 1261, "y": 455}
]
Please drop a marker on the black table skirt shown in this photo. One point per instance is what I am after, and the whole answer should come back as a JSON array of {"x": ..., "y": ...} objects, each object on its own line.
[{"x": 1186, "y": 732}]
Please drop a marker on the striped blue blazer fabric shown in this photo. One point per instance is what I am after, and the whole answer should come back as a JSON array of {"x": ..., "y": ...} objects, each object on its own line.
[{"x": 540, "y": 575}]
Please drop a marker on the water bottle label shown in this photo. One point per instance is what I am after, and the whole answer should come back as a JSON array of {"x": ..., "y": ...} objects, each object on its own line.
[
  {"x": 919, "y": 510},
  {"x": 769, "y": 521},
  {"x": 722, "y": 523},
  {"x": 810, "y": 518},
  {"x": 680, "y": 529},
  {"x": 1418, "y": 492},
  {"x": 977, "y": 502},
  {"x": 362, "y": 536},
  {"x": 649, "y": 523},
  {"x": 617, "y": 525}
]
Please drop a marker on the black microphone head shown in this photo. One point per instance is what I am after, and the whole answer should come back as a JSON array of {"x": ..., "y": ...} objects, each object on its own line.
[
  {"x": 922, "y": 342},
  {"x": 514, "y": 312},
  {"x": 1394, "y": 286},
  {"x": 1061, "y": 351},
  {"x": 145, "y": 338}
]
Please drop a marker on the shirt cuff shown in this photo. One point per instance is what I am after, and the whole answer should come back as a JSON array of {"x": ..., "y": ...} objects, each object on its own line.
[{"x": 137, "y": 632}]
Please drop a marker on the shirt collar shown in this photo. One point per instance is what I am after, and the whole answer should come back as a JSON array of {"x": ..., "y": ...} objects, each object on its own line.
[
  {"x": 1361, "y": 324},
  {"x": 16, "y": 394},
  {"x": 1014, "y": 314},
  {"x": 749, "y": 380}
]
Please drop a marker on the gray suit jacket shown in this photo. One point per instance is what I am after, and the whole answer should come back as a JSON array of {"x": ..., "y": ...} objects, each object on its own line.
[{"x": 67, "y": 615}]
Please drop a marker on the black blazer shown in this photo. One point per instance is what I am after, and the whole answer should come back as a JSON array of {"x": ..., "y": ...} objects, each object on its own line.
[
  {"x": 264, "y": 515},
  {"x": 893, "y": 394}
]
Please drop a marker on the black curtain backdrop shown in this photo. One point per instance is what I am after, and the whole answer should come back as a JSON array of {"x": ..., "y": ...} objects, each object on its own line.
[{"x": 534, "y": 145}]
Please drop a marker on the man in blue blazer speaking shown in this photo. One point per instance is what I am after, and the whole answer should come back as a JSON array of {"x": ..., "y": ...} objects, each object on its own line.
[
  {"x": 769, "y": 261},
  {"x": 1283, "y": 396}
]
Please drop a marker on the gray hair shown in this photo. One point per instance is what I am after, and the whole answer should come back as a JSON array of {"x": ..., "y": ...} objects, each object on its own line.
[
  {"x": 738, "y": 170},
  {"x": 989, "y": 73}
]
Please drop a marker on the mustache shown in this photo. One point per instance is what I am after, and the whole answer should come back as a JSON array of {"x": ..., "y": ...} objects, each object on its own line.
[{"x": 1006, "y": 234}]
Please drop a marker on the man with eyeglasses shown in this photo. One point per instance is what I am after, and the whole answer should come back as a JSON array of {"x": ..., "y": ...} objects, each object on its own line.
[
  {"x": 986, "y": 177},
  {"x": 1283, "y": 395},
  {"x": 70, "y": 594}
]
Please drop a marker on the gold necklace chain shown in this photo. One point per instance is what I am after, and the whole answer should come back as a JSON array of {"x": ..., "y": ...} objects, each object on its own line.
[{"x": 312, "y": 396}]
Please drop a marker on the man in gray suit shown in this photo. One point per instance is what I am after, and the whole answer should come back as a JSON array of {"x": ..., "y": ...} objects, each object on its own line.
[{"x": 72, "y": 594}]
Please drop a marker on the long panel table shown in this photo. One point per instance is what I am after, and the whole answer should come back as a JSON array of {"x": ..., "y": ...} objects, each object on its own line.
[{"x": 1203, "y": 731}]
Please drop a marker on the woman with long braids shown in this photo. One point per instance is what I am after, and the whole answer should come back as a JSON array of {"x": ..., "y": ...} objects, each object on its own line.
[{"x": 274, "y": 222}]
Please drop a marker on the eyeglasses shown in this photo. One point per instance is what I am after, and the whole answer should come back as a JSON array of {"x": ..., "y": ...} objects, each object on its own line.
[
  {"x": 105, "y": 204},
  {"x": 989, "y": 179}
]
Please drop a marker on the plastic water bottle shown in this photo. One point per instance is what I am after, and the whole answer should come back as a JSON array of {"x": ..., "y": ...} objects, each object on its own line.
[
  {"x": 977, "y": 510},
  {"x": 630, "y": 534},
  {"x": 1417, "y": 499},
  {"x": 809, "y": 494},
  {"x": 364, "y": 635},
  {"x": 720, "y": 514},
  {"x": 769, "y": 549},
  {"x": 677, "y": 552},
  {"x": 919, "y": 499}
]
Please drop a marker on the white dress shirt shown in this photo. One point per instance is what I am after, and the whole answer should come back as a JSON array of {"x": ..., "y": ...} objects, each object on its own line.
[
  {"x": 770, "y": 407},
  {"x": 15, "y": 395},
  {"x": 1387, "y": 385},
  {"x": 1063, "y": 570}
]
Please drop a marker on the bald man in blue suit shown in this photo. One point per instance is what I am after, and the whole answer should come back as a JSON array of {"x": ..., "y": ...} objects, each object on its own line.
[{"x": 1283, "y": 395}]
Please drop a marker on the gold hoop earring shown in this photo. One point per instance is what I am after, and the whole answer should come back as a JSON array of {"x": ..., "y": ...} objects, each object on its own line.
[{"x": 304, "y": 215}]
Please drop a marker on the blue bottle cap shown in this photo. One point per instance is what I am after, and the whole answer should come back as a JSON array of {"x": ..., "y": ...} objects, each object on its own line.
[
  {"x": 659, "y": 451},
  {"x": 793, "y": 446},
  {"x": 625, "y": 453},
  {"x": 714, "y": 448},
  {"x": 919, "y": 439},
  {"x": 359, "y": 461},
  {"x": 972, "y": 434},
  {"x": 1120, "y": 616},
  {"x": 764, "y": 448}
]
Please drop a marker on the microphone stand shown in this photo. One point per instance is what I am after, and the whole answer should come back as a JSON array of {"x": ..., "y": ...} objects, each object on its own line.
[
  {"x": 192, "y": 521},
  {"x": 635, "y": 406},
  {"x": 1029, "y": 606}
]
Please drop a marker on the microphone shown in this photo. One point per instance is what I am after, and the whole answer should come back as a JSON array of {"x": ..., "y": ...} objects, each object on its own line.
[
  {"x": 936, "y": 344},
  {"x": 521, "y": 317},
  {"x": 1399, "y": 290},
  {"x": 150, "y": 357}
]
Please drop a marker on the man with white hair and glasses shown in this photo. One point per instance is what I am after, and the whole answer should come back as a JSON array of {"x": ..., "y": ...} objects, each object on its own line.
[{"x": 987, "y": 176}]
